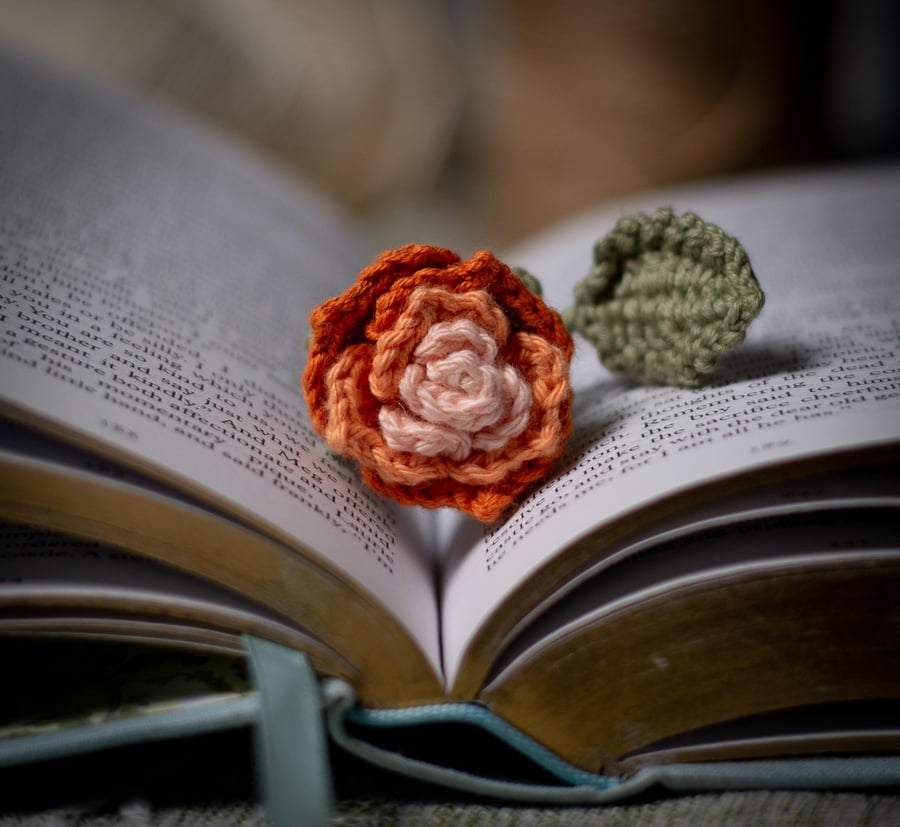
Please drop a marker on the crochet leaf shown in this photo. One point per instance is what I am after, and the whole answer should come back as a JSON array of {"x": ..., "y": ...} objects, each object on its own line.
[
  {"x": 530, "y": 281},
  {"x": 667, "y": 295}
]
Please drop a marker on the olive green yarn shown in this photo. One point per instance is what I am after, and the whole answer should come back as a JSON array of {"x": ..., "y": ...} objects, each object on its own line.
[
  {"x": 666, "y": 296},
  {"x": 530, "y": 281}
]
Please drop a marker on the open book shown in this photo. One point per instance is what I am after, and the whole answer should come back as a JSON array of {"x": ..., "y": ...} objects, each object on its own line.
[{"x": 708, "y": 574}]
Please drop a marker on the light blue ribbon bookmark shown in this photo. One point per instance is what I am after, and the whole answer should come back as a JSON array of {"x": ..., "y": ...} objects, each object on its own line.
[
  {"x": 586, "y": 788},
  {"x": 292, "y": 756},
  {"x": 294, "y": 767}
]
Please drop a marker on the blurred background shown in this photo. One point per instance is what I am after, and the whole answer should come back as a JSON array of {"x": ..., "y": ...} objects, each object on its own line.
[{"x": 473, "y": 123}]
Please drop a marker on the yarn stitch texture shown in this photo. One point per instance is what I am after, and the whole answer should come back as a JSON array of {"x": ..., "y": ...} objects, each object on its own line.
[
  {"x": 445, "y": 380},
  {"x": 667, "y": 295}
]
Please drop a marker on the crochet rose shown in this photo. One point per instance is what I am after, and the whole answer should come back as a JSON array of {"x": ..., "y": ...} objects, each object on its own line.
[{"x": 445, "y": 380}]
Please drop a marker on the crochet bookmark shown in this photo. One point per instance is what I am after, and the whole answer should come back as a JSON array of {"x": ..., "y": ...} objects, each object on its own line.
[{"x": 446, "y": 381}]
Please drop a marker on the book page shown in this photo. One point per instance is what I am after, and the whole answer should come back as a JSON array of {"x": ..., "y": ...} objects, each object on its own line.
[
  {"x": 752, "y": 539},
  {"x": 86, "y": 584},
  {"x": 155, "y": 285},
  {"x": 864, "y": 491},
  {"x": 819, "y": 372}
]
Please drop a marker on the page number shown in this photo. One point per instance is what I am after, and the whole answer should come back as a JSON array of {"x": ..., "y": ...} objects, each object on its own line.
[{"x": 118, "y": 429}]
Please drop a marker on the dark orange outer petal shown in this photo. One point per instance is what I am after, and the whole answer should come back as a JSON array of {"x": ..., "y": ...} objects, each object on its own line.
[{"x": 341, "y": 320}]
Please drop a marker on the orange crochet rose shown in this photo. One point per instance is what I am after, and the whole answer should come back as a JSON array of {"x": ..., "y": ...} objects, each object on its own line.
[{"x": 446, "y": 380}]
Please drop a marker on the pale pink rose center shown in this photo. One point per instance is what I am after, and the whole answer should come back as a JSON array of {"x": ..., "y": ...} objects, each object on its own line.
[{"x": 458, "y": 397}]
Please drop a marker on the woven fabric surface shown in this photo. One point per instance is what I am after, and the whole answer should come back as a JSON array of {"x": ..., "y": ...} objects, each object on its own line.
[{"x": 737, "y": 809}]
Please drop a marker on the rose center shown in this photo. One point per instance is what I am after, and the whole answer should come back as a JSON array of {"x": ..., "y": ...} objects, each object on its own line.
[
  {"x": 460, "y": 395},
  {"x": 461, "y": 388}
]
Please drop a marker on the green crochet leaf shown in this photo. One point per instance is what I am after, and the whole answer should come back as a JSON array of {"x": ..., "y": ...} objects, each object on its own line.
[
  {"x": 666, "y": 297},
  {"x": 530, "y": 281}
]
